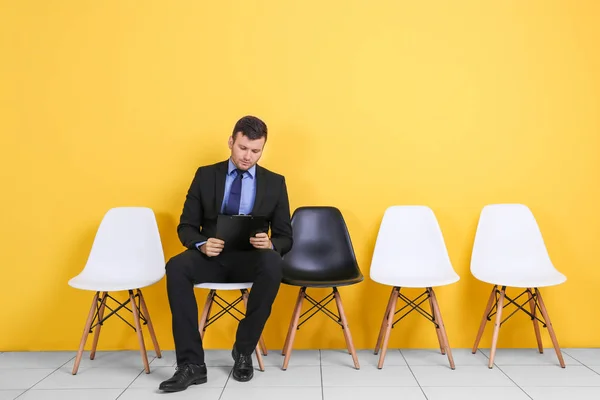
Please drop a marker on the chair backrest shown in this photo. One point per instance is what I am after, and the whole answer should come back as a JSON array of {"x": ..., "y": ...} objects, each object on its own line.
[
  {"x": 508, "y": 243},
  {"x": 322, "y": 247},
  {"x": 409, "y": 244},
  {"x": 127, "y": 246}
]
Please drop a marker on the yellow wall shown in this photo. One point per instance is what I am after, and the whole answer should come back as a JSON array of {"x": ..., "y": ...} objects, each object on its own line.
[{"x": 453, "y": 104}]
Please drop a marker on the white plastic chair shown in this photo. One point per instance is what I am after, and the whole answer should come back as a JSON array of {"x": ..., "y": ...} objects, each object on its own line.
[
  {"x": 227, "y": 307},
  {"x": 410, "y": 252},
  {"x": 509, "y": 251},
  {"x": 127, "y": 254}
]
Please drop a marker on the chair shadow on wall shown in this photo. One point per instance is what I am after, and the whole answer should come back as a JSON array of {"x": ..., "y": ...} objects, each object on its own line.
[
  {"x": 478, "y": 292},
  {"x": 50, "y": 309},
  {"x": 277, "y": 325}
]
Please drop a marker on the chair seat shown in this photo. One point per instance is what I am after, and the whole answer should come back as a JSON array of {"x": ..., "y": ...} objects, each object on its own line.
[
  {"x": 111, "y": 285},
  {"x": 298, "y": 281},
  {"x": 224, "y": 286},
  {"x": 523, "y": 280},
  {"x": 415, "y": 281}
]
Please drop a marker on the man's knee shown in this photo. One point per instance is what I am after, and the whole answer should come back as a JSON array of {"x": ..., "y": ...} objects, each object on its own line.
[{"x": 176, "y": 266}]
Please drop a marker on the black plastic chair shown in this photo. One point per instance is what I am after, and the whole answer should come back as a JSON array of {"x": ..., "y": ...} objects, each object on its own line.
[{"x": 322, "y": 256}]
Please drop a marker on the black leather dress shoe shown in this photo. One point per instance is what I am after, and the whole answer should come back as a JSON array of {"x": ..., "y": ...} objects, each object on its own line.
[
  {"x": 186, "y": 375},
  {"x": 243, "y": 370}
]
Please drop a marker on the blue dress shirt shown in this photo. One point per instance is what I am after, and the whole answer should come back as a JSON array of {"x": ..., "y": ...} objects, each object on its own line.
[{"x": 248, "y": 190}]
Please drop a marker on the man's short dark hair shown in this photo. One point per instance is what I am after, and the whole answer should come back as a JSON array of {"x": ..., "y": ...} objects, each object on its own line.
[{"x": 251, "y": 127}]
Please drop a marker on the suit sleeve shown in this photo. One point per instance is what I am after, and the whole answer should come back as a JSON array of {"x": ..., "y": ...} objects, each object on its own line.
[
  {"x": 281, "y": 226},
  {"x": 190, "y": 221}
]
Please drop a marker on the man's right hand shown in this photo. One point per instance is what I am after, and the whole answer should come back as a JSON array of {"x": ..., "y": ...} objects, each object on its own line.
[{"x": 212, "y": 247}]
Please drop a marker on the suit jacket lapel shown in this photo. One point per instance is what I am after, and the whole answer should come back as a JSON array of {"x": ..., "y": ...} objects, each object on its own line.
[
  {"x": 221, "y": 172},
  {"x": 261, "y": 187}
]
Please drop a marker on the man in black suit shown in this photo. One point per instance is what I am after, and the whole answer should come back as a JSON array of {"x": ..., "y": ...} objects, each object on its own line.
[{"x": 235, "y": 186}]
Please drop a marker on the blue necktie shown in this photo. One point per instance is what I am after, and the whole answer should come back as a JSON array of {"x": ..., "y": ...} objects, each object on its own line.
[{"x": 235, "y": 194}]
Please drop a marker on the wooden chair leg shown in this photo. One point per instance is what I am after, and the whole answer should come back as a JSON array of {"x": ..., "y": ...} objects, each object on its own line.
[
  {"x": 138, "y": 329},
  {"x": 206, "y": 312},
  {"x": 497, "y": 327},
  {"x": 259, "y": 358},
  {"x": 287, "y": 338},
  {"x": 388, "y": 326},
  {"x": 346, "y": 328},
  {"x": 442, "y": 328},
  {"x": 437, "y": 328},
  {"x": 86, "y": 331},
  {"x": 97, "y": 332},
  {"x": 488, "y": 307},
  {"x": 550, "y": 328},
  {"x": 349, "y": 345},
  {"x": 263, "y": 346},
  {"x": 383, "y": 323},
  {"x": 292, "y": 329},
  {"x": 146, "y": 314},
  {"x": 536, "y": 325}
]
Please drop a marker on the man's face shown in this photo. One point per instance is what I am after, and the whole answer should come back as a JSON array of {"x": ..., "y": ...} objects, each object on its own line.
[{"x": 245, "y": 153}]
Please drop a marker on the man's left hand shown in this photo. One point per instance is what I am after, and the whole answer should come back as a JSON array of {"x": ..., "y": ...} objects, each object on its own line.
[{"x": 261, "y": 241}]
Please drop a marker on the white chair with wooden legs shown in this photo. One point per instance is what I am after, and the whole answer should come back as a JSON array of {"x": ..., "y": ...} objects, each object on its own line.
[
  {"x": 509, "y": 251},
  {"x": 410, "y": 252},
  {"x": 227, "y": 307},
  {"x": 126, "y": 255}
]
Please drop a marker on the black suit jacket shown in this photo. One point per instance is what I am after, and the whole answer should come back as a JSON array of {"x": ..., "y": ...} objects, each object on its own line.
[{"x": 198, "y": 221}]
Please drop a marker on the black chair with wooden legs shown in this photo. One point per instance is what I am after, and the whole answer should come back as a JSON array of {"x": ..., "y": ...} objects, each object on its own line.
[{"x": 322, "y": 256}]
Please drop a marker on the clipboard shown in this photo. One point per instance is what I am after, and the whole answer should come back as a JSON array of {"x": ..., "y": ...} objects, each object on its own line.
[{"x": 236, "y": 230}]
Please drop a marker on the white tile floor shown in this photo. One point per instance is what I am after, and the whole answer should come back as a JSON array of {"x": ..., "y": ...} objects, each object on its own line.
[{"x": 312, "y": 374}]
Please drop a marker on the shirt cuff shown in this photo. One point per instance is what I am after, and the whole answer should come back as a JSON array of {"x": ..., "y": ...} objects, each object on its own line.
[{"x": 199, "y": 244}]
